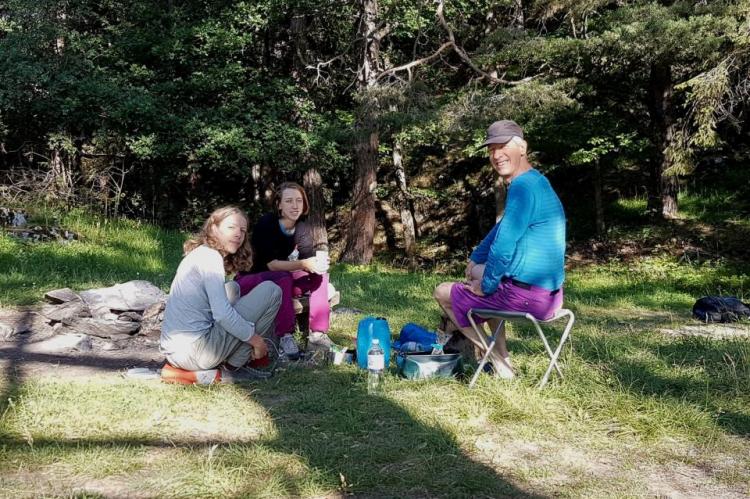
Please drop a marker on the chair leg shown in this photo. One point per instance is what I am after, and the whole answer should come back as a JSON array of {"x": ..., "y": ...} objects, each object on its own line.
[
  {"x": 483, "y": 340},
  {"x": 481, "y": 364},
  {"x": 554, "y": 357},
  {"x": 546, "y": 345}
]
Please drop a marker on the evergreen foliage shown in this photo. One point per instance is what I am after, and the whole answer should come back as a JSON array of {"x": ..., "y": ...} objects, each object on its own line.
[{"x": 165, "y": 109}]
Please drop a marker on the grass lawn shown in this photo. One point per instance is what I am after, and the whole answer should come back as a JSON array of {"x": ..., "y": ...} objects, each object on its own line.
[{"x": 639, "y": 413}]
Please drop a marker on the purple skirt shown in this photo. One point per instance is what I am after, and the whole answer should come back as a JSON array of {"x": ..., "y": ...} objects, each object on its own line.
[{"x": 539, "y": 302}]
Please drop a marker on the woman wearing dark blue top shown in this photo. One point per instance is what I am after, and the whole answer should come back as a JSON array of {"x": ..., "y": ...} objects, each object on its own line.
[{"x": 283, "y": 253}]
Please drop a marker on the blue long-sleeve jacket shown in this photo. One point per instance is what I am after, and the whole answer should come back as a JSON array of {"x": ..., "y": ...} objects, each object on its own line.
[{"x": 528, "y": 243}]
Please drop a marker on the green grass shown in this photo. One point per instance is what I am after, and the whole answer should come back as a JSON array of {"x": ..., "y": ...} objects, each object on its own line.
[
  {"x": 638, "y": 410},
  {"x": 109, "y": 251}
]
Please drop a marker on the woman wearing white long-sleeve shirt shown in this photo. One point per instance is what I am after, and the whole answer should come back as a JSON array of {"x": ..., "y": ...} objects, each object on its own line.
[{"x": 202, "y": 329}]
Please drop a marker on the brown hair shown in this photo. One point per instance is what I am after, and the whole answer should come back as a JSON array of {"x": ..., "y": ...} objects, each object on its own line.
[
  {"x": 242, "y": 259},
  {"x": 291, "y": 185}
]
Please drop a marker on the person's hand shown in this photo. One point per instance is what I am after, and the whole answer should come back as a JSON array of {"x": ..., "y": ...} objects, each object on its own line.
[
  {"x": 469, "y": 266},
  {"x": 258, "y": 343},
  {"x": 475, "y": 286},
  {"x": 310, "y": 265}
]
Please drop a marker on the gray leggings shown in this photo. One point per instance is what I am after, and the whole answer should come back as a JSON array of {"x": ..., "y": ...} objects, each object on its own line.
[{"x": 217, "y": 346}]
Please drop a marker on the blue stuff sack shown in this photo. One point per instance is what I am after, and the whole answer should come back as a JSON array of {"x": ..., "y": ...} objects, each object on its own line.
[{"x": 417, "y": 334}]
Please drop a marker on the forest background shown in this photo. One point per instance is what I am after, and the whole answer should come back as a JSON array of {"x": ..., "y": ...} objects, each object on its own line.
[{"x": 163, "y": 110}]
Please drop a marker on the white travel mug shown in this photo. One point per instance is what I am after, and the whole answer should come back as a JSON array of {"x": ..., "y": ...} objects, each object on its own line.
[{"x": 321, "y": 263}]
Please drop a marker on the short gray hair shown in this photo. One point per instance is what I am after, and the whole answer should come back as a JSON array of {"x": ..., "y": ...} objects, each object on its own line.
[{"x": 522, "y": 144}]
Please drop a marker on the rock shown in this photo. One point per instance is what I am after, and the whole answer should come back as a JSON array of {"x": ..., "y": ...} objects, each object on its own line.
[
  {"x": 7, "y": 332},
  {"x": 129, "y": 316},
  {"x": 131, "y": 295},
  {"x": 103, "y": 328},
  {"x": 64, "y": 342},
  {"x": 85, "y": 345},
  {"x": 153, "y": 312},
  {"x": 66, "y": 311},
  {"x": 22, "y": 328},
  {"x": 152, "y": 319},
  {"x": 19, "y": 219},
  {"x": 151, "y": 330},
  {"x": 109, "y": 346},
  {"x": 62, "y": 295}
]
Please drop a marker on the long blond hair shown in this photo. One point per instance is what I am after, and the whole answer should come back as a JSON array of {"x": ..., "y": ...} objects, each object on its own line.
[{"x": 242, "y": 259}]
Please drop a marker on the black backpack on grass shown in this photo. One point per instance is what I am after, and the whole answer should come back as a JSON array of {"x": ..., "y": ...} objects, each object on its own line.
[{"x": 720, "y": 309}]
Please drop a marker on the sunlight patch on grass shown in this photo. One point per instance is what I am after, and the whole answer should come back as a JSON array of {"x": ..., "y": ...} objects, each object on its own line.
[{"x": 46, "y": 411}]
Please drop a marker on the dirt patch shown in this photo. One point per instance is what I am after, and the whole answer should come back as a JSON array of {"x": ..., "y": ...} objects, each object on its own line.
[
  {"x": 678, "y": 480},
  {"x": 714, "y": 331}
]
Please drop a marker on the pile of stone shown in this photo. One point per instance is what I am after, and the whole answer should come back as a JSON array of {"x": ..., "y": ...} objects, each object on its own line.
[
  {"x": 15, "y": 224},
  {"x": 12, "y": 217},
  {"x": 118, "y": 313},
  {"x": 42, "y": 234}
]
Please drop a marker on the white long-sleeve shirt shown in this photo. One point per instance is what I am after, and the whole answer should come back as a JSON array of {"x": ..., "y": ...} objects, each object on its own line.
[{"x": 198, "y": 300}]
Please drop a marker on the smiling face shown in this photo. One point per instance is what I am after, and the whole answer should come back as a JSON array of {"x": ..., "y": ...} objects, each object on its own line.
[
  {"x": 291, "y": 205},
  {"x": 231, "y": 232},
  {"x": 509, "y": 159}
]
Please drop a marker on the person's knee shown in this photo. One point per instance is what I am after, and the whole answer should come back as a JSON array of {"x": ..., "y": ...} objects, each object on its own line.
[
  {"x": 284, "y": 277},
  {"x": 442, "y": 292},
  {"x": 271, "y": 291}
]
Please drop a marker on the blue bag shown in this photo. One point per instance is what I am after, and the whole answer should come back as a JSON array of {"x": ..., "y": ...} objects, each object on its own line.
[{"x": 417, "y": 334}]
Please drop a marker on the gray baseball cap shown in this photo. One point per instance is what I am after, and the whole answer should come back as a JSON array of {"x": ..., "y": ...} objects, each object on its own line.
[{"x": 502, "y": 131}]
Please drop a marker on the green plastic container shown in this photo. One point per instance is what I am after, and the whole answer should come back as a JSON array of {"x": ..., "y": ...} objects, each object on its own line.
[{"x": 424, "y": 365}]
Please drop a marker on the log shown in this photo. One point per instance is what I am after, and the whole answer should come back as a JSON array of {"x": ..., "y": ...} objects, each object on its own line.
[
  {"x": 62, "y": 295},
  {"x": 131, "y": 295},
  {"x": 66, "y": 311},
  {"x": 103, "y": 328}
]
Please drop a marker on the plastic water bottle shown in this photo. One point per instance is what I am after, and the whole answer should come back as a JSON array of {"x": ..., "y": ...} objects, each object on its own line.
[{"x": 375, "y": 367}]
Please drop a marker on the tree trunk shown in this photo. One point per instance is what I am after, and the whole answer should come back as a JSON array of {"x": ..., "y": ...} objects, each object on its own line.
[
  {"x": 518, "y": 15},
  {"x": 669, "y": 191},
  {"x": 598, "y": 203},
  {"x": 361, "y": 231},
  {"x": 404, "y": 204},
  {"x": 362, "y": 223},
  {"x": 62, "y": 178},
  {"x": 662, "y": 198},
  {"x": 313, "y": 184}
]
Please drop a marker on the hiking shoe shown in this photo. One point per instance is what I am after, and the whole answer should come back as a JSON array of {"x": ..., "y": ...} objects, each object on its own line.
[
  {"x": 289, "y": 346},
  {"x": 319, "y": 341},
  {"x": 242, "y": 374}
]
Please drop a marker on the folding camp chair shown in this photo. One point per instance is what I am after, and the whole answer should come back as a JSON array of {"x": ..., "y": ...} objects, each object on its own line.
[{"x": 488, "y": 342}]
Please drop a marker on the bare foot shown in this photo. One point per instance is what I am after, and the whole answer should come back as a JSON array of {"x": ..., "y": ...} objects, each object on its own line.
[{"x": 503, "y": 368}]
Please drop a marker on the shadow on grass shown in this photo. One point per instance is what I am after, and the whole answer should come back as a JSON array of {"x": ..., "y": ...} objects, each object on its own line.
[
  {"x": 348, "y": 441},
  {"x": 374, "y": 444}
]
